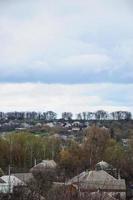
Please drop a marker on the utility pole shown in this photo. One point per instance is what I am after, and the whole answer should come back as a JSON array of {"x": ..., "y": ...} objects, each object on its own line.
[
  {"x": 10, "y": 162},
  {"x": 53, "y": 152},
  {"x": 35, "y": 162},
  {"x": 9, "y": 174},
  {"x": 31, "y": 156},
  {"x": 10, "y": 151}
]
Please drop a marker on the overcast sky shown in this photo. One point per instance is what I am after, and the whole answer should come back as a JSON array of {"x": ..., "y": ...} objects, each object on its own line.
[{"x": 74, "y": 55}]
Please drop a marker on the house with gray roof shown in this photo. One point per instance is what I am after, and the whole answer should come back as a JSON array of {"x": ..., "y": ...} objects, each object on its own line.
[{"x": 94, "y": 181}]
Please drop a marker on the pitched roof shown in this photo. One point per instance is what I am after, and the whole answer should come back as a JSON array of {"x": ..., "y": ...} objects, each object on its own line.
[
  {"x": 103, "y": 163},
  {"x": 98, "y": 180},
  {"x": 2, "y": 181},
  {"x": 12, "y": 179},
  {"x": 45, "y": 164},
  {"x": 25, "y": 177}
]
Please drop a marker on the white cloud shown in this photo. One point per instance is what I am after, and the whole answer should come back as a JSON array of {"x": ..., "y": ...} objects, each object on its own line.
[{"x": 58, "y": 97}]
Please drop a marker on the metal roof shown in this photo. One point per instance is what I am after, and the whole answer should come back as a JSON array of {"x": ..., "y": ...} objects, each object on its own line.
[
  {"x": 95, "y": 180},
  {"x": 45, "y": 164}
]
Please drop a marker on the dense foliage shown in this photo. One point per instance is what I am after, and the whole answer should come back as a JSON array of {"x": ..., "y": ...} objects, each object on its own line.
[{"x": 21, "y": 150}]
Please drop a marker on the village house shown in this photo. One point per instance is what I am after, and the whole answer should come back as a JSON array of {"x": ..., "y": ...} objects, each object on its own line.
[
  {"x": 7, "y": 183},
  {"x": 99, "y": 180}
]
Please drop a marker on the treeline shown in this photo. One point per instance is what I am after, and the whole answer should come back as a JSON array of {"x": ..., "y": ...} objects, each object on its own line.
[
  {"x": 48, "y": 116},
  {"x": 20, "y": 150},
  {"x": 51, "y": 116},
  {"x": 104, "y": 115}
]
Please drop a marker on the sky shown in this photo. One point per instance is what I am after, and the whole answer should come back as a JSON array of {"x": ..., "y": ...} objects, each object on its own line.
[{"x": 66, "y": 55}]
